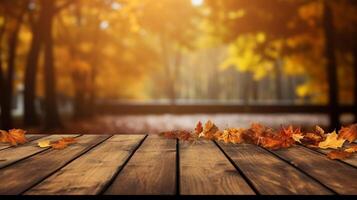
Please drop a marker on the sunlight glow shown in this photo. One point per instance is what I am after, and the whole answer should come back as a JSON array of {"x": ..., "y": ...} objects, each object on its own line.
[
  {"x": 104, "y": 25},
  {"x": 116, "y": 6},
  {"x": 197, "y": 2}
]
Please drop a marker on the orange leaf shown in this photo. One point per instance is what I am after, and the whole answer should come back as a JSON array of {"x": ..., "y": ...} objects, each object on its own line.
[
  {"x": 351, "y": 149},
  {"x": 232, "y": 135},
  {"x": 198, "y": 128},
  {"x": 63, "y": 143},
  {"x": 348, "y": 133},
  {"x": 14, "y": 136},
  {"x": 338, "y": 155},
  {"x": 209, "y": 130}
]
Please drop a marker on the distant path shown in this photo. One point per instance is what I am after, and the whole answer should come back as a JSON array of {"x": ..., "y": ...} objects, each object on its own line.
[{"x": 109, "y": 124}]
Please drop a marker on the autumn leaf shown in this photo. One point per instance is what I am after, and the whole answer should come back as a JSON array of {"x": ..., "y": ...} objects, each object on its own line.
[
  {"x": 44, "y": 143},
  {"x": 232, "y": 135},
  {"x": 13, "y": 136},
  {"x": 209, "y": 130},
  {"x": 348, "y": 133},
  {"x": 351, "y": 149},
  {"x": 198, "y": 128},
  {"x": 313, "y": 139},
  {"x": 339, "y": 155},
  {"x": 63, "y": 143},
  {"x": 297, "y": 137},
  {"x": 332, "y": 142}
]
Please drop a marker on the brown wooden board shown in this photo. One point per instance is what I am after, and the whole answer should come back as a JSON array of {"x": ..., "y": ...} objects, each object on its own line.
[
  {"x": 336, "y": 175},
  {"x": 351, "y": 160},
  {"x": 11, "y": 155},
  {"x": 28, "y": 137},
  {"x": 90, "y": 173},
  {"x": 151, "y": 170},
  {"x": 269, "y": 174},
  {"x": 20, "y": 176},
  {"x": 204, "y": 169}
]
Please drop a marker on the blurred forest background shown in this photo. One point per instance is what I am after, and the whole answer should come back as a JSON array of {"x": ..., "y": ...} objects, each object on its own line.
[{"x": 59, "y": 59}]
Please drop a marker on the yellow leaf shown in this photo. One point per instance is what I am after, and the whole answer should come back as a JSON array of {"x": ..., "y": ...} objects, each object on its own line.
[
  {"x": 332, "y": 141},
  {"x": 297, "y": 137},
  {"x": 44, "y": 143}
]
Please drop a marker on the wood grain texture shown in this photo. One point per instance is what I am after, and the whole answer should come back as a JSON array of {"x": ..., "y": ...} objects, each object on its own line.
[
  {"x": 11, "y": 155},
  {"x": 89, "y": 174},
  {"x": 334, "y": 174},
  {"x": 23, "y": 175},
  {"x": 151, "y": 170},
  {"x": 204, "y": 169},
  {"x": 269, "y": 174},
  {"x": 28, "y": 137},
  {"x": 351, "y": 160}
]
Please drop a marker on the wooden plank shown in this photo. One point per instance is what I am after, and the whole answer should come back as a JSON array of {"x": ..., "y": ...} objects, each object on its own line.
[
  {"x": 351, "y": 160},
  {"x": 269, "y": 174},
  {"x": 23, "y": 175},
  {"x": 151, "y": 170},
  {"x": 334, "y": 174},
  {"x": 11, "y": 155},
  {"x": 29, "y": 139},
  {"x": 90, "y": 173},
  {"x": 204, "y": 169}
]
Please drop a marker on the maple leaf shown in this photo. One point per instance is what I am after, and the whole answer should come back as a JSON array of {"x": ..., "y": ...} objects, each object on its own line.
[
  {"x": 351, "y": 149},
  {"x": 348, "y": 133},
  {"x": 313, "y": 139},
  {"x": 198, "y": 128},
  {"x": 44, "y": 143},
  {"x": 209, "y": 130},
  {"x": 338, "y": 155},
  {"x": 63, "y": 143},
  {"x": 13, "y": 136},
  {"x": 232, "y": 135},
  {"x": 297, "y": 137},
  {"x": 331, "y": 141}
]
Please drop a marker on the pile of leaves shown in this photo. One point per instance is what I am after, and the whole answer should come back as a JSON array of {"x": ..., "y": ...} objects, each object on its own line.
[
  {"x": 16, "y": 137},
  {"x": 269, "y": 138}
]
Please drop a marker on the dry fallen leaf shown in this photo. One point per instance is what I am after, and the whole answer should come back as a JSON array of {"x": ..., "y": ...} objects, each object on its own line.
[
  {"x": 13, "y": 136},
  {"x": 348, "y": 133},
  {"x": 232, "y": 135},
  {"x": 297, "y": 137},
  {"x": 338, "y": 155},
  {"x": 63, "y": 143},
  {"x": 209, "y": 130},
  {"x": 351, "y": 149},
  {"x": 332, "y": 141},
  {"x": 198, "y": 128},
  {"x": 44, "y": 143}
]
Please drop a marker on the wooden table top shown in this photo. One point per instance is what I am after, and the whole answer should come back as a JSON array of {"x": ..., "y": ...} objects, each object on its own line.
[{"x": 149, "y": 164}]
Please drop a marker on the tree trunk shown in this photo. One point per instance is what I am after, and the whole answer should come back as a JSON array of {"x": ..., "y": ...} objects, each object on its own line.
[
  {"x": 52, "y": 119},
  {"x": 331, "y": 66},
  {"x": 8, "y": 81},
  {"x": 30, "y": 114},
  {"x": 355, "y": 81}
]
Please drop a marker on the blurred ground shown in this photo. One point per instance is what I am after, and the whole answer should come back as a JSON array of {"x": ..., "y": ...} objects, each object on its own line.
[{"x": 152, "y": 124}]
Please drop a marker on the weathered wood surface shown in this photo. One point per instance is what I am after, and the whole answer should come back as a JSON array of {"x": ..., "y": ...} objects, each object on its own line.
[
  {"x": 11, "y": 155},
  {"x": 23, "y": 175},
  {"x": 334, "y": 174},
  {"x": 28, "y": 137},
  {"x": 204, "y": 169},
  {"x": 269, "y": 174},
  {"x": 152, "y": 169},
  {"x": 351, "y": 160},
  {"x": 140, "y": 164},
  {"x": 90, "y": 173}
]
